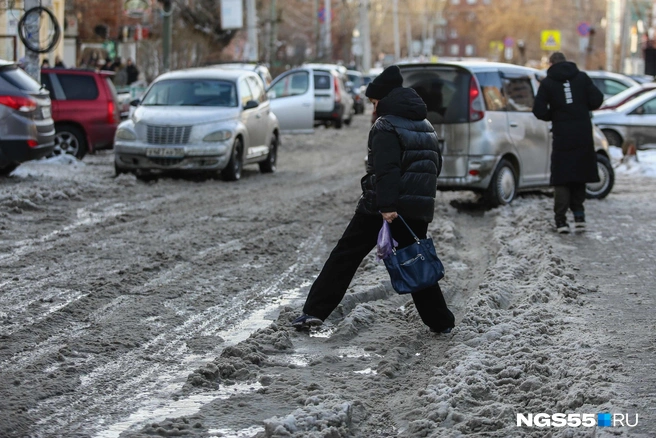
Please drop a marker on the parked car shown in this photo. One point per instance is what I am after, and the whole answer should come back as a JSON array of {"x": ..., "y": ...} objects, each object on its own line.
[
  {"x": 27, "y": 131},
  {"x": 610, "y": 83},
  {"x": 634, "y": 120},
  {"x": 490, "y": 140},
  {"x": 261, "y": 69},
  {"x": 332, "y": 105},
  {"x": 205, "y": 120},
  {"x": 357, "y": 89},
  {"x": 85, "y": 108},
  {"x": 628, "y": 94}
]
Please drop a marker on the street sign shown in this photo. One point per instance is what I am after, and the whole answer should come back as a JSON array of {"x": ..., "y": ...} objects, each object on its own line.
[
  {"x": 550, "y": 40},
  {"x": 583, "y": 29},
  {"x": 232, "y": 14}
]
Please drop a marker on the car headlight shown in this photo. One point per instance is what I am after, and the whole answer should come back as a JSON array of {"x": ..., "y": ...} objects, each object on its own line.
[
  {"x": 221, "y": 135},
  {"x": 125, "y": 134}
]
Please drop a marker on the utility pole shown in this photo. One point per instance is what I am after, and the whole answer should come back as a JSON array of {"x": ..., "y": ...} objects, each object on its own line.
[
  {"x": 624, "y": 34},
  {"x": 327, "y": 20},
  {"x": 167, "y": 30},
  {"x": 408, "y": 35},
  {"x": 317, "y": 31},
  {"x": 32, "y": 26},
  {"x": 251, "y": 24},
  {"x": 365, "y": 35},
  {"x": 273, "y": 35},
  {"x": 397, "y": 43}
]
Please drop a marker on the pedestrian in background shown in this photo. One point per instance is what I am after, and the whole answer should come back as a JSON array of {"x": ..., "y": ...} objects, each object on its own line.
[
  {"x": 45, "y": 63},
  {"x": 59, "y": 63},
  {"x": 566, "y": 97},
  {"x": 132, "y": 71},
  {"x": 403, "y": 164}
]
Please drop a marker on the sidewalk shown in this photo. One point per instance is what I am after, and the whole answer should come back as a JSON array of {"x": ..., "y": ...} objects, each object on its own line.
[{"x": 617, "y": 254}]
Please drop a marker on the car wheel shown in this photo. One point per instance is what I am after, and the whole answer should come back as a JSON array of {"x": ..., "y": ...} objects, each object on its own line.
[
  {"x": 269, "y": 165},
  {"x": 70, "y": 140},
  {"x": 232, "y": 172},
  {"x": 337, "y": 123},
  {"x": 6, "y": 170},
  {"x": 601, "y": 189},
  {"x": 348, "y": 121},
  {"x": 503, "y": 186},
  {"x": 614, "y": 139}
]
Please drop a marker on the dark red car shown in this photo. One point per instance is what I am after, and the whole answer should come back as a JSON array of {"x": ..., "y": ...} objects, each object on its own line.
[{"x": 84, "y": 107}]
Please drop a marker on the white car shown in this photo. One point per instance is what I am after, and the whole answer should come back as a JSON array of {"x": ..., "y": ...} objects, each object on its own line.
[
  {"x": 610, "y": 83},
  {"x": 199, "y": 120},
  {"x": 313, "y": 94},
  {"x": 634, "y": 120}
]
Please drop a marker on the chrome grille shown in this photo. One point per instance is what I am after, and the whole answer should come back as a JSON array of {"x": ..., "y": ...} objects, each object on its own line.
[{"x": 168, "y": 134}]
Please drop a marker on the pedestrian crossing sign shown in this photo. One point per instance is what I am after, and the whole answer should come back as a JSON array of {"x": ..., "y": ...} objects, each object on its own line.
[{"x": 550, "y": 40}]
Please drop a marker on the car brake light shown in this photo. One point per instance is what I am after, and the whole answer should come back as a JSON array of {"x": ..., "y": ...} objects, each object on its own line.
[
  {"x": 32, "y": 143},
  {"x": 338, "y": 97},
  {"x": 476, "y": 108},
  {"x": 111, "y": 117},
  {"x": 22, "y": 104}
]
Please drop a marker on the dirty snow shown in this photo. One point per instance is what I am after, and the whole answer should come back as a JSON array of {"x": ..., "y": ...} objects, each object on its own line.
[{"x": 162, "y": 309}]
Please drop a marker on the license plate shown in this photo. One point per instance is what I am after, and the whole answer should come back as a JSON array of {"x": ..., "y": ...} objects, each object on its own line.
[
  {"x": 165, "y": 152},
  {"x": 45, "y": 112}
]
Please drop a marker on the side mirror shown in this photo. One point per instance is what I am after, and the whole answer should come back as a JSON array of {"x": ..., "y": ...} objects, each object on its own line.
[
  {"x": 135, "y": 102},
  {"x": 639, "y": 111},
  {"x": 251, "y": 104},
  {"x": 271, "y": 94}
]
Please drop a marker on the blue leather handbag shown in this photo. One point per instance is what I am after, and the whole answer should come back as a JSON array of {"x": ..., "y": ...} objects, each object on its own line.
[{"x": 414, "y": 267}]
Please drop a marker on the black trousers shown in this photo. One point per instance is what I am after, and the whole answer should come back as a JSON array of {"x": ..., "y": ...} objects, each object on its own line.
[
  {"x": 359, "y": 239},
  {"x": 570, "y": 196}
]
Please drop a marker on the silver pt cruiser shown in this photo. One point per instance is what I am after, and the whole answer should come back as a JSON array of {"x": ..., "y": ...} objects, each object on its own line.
[{"x": 209, "y": 120}]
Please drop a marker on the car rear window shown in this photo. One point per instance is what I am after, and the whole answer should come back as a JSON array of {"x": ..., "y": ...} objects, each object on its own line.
[
  {"x": 78, "y": 87},
  {"x": 192, "y": 92},
  {"x": 19, "y": 79},
  {"x": 322, "y": 81},
  {"x": 444, "y": 89}
]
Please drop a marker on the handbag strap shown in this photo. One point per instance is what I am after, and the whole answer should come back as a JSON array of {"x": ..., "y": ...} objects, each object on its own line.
[{"x": 408, "y": 227}]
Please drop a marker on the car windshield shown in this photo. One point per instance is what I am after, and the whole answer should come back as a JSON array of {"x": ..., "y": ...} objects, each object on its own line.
[
  {"x": 631, "y": 104},
  {"x": 191, "y": 92},
  {"x": 19, "y": 79},
  {"x": 356, "y": 79},
  {"x": 625, "y": 96}
]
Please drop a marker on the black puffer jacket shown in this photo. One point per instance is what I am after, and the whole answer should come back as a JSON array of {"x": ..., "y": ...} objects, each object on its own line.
[
  {"x": 404, "y": 159},
  {"x": 566, "y": 97}
]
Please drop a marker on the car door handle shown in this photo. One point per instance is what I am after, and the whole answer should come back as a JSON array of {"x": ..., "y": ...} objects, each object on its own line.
[
  {"x": 514, "y": 124},
  {"x": 258, "y": 116}
]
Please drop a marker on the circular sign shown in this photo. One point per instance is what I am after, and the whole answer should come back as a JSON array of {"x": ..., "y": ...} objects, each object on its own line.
[
  {"x": 583, "y": 28},
  {"x": 508, "y": 42}
]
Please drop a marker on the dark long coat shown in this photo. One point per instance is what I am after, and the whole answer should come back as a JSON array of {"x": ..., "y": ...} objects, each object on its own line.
[{"x": 566, "y": 97}]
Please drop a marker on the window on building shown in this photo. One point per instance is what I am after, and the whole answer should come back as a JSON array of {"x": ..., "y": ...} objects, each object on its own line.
[
  {"x": 469, "y": 50},
  {"x": 454, "y": 49}
]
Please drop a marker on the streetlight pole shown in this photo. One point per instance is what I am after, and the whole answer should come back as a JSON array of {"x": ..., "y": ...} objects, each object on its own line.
[
  {"x": 32, "y": 26},
  {"x": 167, "y": 30}
]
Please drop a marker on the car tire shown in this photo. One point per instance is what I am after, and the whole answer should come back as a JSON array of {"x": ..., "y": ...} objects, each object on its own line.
[
  {"x": 337, "y": 123},
  {"x": 348, "y": 121},
  {"x": 70, "y": 139},
  {"x": 269, "y": 165},
  {"x": 614, "y": 139},
  {"x": 503, "y": 186},
  {"x": 232, "y": 172},
  {"x": 607, "y": 176},
  {"x": 6, "y": 170}
]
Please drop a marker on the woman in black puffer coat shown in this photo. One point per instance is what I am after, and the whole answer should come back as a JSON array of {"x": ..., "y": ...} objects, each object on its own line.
[{"x": 403, "y": 164}]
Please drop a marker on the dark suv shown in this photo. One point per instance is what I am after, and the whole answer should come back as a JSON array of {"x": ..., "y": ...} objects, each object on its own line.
[
  {"x": 85, "y": 109},
  {"x": 26, "y": 127}
]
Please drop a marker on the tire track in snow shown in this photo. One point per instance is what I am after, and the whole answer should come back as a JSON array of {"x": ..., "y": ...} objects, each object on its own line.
[{"x": 149, "y": 384}]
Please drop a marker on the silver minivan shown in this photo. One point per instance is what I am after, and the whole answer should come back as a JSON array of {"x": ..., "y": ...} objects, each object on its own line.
[{"x": 490, "y": 140}]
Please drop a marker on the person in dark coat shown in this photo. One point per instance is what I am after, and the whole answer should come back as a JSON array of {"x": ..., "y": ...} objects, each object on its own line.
[
  {"x": 566, "y": 97},
  {"x": 132, "y": 72},
  {"x": 404, "y": 161}
]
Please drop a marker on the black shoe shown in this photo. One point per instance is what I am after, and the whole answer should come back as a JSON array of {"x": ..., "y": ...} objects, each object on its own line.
[
  {"x": 562, "y": 227},
  {"x": 579, "y": 223},
  {"x": 446, "y": 331},
  {"x": 306, "y": 321}
]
